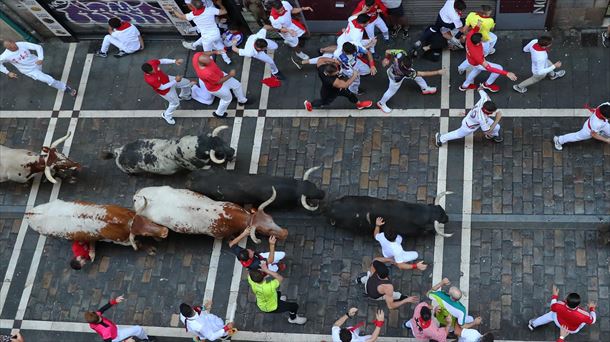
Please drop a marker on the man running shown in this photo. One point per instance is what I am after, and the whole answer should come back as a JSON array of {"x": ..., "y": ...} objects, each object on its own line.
[
  {"x": 352, "y": 333},
  {"x": 448, "y": 23},
  {"x": 125, "y": 36},
  {"x": 256, "y": 47},
  {"x": 541, "y": 65},
  {"x": 290, "y": 29},
  {"x": 478, "y": 117},
  {"x": 487, "y": 24},
  {"x": 373, "y": 9},
  {"x": 165, "y": 85},
  {"x": 378, "y": 286},
  {"x": 19, "y": 55},
  {"x": 597, "y": 127},
  {"x": 108, "y": 330},
  {"x": 203, "y": 324}
]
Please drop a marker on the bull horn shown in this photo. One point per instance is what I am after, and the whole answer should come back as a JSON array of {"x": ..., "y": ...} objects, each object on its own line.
[
  {"x": 47, "y": 173},
  {"x": 269, "y": 201},
  {"x": 440, "y": 196},
  {"x": 308, "y": 172},
  {"x": 218, "y": 130},
  {"x": 214, "y": 158},
  {"x": 60, "y": 140},
  {"x": 437, "y": 228},
  {"x": 306, "y": 205},
  {"x": 132, "y": 241},
  {"x": 253, "y": 235}
]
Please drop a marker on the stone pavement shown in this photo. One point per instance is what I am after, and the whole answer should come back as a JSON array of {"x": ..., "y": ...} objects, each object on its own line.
[{"x": 533, "y": 211}]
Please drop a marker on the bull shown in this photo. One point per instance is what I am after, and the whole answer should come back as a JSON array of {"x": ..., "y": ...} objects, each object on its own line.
[
  {"x": 84, "y": 221},
  {"x": 220, "y": 185},
  {"x": 20, "y": 166},
  {"x": 168, "y": 156},
  {"x": 185, "y": 211},
  {"x": 358, "y": 213}
]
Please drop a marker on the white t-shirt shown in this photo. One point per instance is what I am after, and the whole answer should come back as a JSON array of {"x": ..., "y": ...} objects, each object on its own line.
[
  {"x": 476, "y": 117},
  {"x": 449, "y": 15},
  {"x": 539, "y": 58},
  {"x": 394, "y": 249},
  {"x": 351, "y": 34},
  {"x": 204, "y": 325},
  {"x": 22, "y": 59},
  {"x": 285, "y": 21},
  {"x": 392, "y": 3},
  {"x": 470, "y": 335},
  {"x": 596, "y": 124},
  {"x": 249, "y": 50},
  {"x": 355, "y": 337},
  {"x": 206, "y": 21},
  {"x": 130, "y": 37}
]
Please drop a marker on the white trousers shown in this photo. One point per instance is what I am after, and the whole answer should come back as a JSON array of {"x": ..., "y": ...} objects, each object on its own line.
[
  {"x": 38, "y": 75},
  {"x": 129, "y": 331},
  {"x": 265, "y": 58},
  {"x": 365, "y": 279},
  {"x": 209, "y": 43},
  {"x": 476, "y": 70},
  {"x": 464, "y": 130},
  {"x": 363, "y": 70},
  {"x": 381, "y": 25},
  {"x": 583, "y": 134},
  {"x": 552, "y": 317},
  {"x": 201, "y": 94},
  {"x": 488, "y": 45},
  {"x": 277, "y": 257},
  {"x": 172, "y": 96},
  {"x": 224, "y": 94},
  {"x": 110, "y": 40},
  {"x": 394, "y": 86}
]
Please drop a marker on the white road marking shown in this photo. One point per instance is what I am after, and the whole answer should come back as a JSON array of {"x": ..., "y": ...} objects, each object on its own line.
[
  {"x": 441, "y": 185},
  {"x": 82, "y": 86},
  {"x": 212, "y": 271},
  {"x": 234, "y": 291},
  {"x": 245, "y": 77},
  {"x": 445, "y": 84},
  {"x": 466, "y": 220},
  {"x": 235, "y": 141},
  {"x": 264, "y": 100},
  {"x": 64, "y": 75},
  {"x": 256, "y": 146}
]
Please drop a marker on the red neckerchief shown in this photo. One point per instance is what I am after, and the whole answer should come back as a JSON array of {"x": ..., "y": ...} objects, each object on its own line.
[
  {"x": 486, "y": 112},
  {"x": 275, "y": 14},
  {"x": 423, "y": 324},
  {"x": 198, "y": 11},
  {"x": 459, "y": 13},
  {"x": 357, "y": 25},
  {"x": 355, "y": 327},
  {"x": 249, "y": 262},
  {"x": 124, "y": 25},
  {"x": 537, "y": 47},
  {"x": 596, "y": 111},
  {"x": 483, "y": 16}
]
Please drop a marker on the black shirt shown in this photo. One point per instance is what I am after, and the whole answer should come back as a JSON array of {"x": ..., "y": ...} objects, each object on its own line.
[{"x": 327, "y": 81}]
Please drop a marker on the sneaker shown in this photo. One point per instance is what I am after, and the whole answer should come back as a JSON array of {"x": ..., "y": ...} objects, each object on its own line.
[
  {"x": 283, "y": 297},
  {"x": 405, "y": 33},
  {"x": 437, "y": 139},
  {"x": 529, "y": 323},
  {"x": 359, "y": 277},
  {"x": 519, "y": 89},
  {"x": 494, "y": 88},
  {"x": 384, "y": 108},
  {"x": 471, "y": 86},
  {"x": 169, "y": 119},
  {"x": 280, "y": 76},
  {"x": 121, "y": 54},
  {"x": 360, "y": 91},
  {"x": 243, "y": 103},
  {"x": 407, "y": 324},
  {"x": 498, "y": 138},
  {"x": 188, "y": 45},
  {"x": 429, "y": 91},
  {"x": 298, "y": 320},
  {"x": 101, "y": 54},
  {"x": 298, "y": 64},
  {"x": 605, "y": 39},
  {"x": 491, "y": 52},
  {"x": 558, "y": 145},
  {"x": 71, "y": 91},
  {"x": 308, "y": 106},
  {"x": 456, "y": 43},
  {"x": 461, "y": 71},
  {"x": 302, "y": 55},
  {"x": 558, "y": 74},
  {"x": 226, "y": 58},
  {"x": 417, "y": 44},
  {"x": 394, "y": 31},
  {"x": 185, "y": 98},
  {"x": 363, "y": 104},
  {"x": 219, "y": 116}
]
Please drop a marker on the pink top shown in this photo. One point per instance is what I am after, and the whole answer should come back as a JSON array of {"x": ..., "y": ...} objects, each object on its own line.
[{"x": 429, "y": 329}]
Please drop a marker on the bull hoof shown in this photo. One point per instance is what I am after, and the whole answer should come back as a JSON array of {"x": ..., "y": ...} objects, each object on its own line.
[{"x": 151, "y": 251}]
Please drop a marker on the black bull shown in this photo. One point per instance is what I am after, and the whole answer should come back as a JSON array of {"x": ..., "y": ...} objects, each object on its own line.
[
  {"x": 222, "y": 185},
  {"x": 358, "y": 214}
]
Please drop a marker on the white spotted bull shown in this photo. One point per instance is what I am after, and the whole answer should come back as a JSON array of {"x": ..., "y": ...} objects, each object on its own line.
[
  {"x": 168, "y": 156},
  {"x": 20, "y": 166},
  {"x": 84, "y": 221},
  {"x": 185, "y": 211}
]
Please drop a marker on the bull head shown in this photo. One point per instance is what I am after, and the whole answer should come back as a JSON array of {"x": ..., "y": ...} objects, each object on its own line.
[
  {"x": 220, "y": 151},
  {"x": 264, "y": 222},
  {"x": 55, "y": 161},
  {"x": 303, "y": 198},
  {"x": 442, "y": 217}
]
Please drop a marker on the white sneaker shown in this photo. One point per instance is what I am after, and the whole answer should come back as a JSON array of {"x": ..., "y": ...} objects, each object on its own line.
[
  {"x": 519, "y": 89},
  {"x": 226, "y": 58},
  {"x": 384, "y": 108},
  {"x": 429, "y": 91},
  {"x": 491, "y": 51},
  {"x": 188, "y": 45},
  {"x": 558, "y": 74},
  {"x": 302, "y": 55},
  {"x": 558, "y": 146},
  {"x": 299, "y": 320},
  {"x": 283, "y": 298},
  {"x": 169, "y": 119},
  {"x": 461, "y": 71}
]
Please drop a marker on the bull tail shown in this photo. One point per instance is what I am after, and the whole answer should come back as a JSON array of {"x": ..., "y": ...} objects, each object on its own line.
[{"x": 107, "y": 155}]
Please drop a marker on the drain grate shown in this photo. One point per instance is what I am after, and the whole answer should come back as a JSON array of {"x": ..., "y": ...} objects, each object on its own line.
[{"x": 589, "y": 39}]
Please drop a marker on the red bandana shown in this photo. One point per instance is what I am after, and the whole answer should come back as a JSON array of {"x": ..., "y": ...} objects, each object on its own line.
[
  {"x": 275, "y": 14},
  {"x": 198, "y": 11},
  {"x": 124, "y": 25},
  {"x": 355, "y": 327},
  {"x": 424, "y": 324},
  {"x": 357, "y": 25},
  {"x": 537, "y": 47},
  {"x": 596, "y": 111}
]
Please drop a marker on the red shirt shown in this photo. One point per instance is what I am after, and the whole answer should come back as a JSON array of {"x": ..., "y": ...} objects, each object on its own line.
[
  {"x": 571, "y": 318},
  {"x": 157, "y": 78},
  {"x": 81, "y": 249},
  {"x": 475, "y": 54},
  {"x": 372, "y": 12},
  {"x": 210, "y": 74}
]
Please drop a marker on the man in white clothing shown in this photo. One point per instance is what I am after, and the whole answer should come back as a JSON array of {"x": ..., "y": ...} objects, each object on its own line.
[
  {"x": 290, "y": 29},
  {"x": 391, "y": 248},
  {"x": 124, "y": 36},
  {"x": 19, "y": 55},
  {"x": 467, "y": 333},
  {"x": 256, "y": 47},
  {"x": 204, "y": 325},
  {"x": 205, "y": 20},
  {"x": 352, "y": 333},
  {"x": 478, "y": 117},
  {"x": 597, "y": 127},
  {"x": 165, "y": 85},
  {"x": 541, "y": 65}
]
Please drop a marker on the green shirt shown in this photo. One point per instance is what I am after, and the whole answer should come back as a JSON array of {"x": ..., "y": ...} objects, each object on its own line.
[{"x": 266, "y": 294}]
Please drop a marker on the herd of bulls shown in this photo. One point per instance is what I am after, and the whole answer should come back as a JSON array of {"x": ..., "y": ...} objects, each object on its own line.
[{"x": 212, "y": 202}]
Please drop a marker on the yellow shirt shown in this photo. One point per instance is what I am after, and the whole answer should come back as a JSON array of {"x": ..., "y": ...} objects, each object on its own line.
[
  {"x": 266, "y": 294},
  {"x": 487, "y": 24}
]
